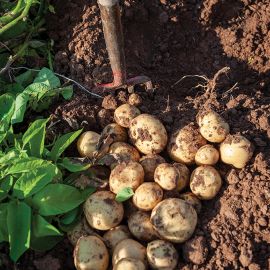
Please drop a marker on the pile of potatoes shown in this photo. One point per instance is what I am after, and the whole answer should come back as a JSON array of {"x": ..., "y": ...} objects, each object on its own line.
[{"x": 141, "y": 232}]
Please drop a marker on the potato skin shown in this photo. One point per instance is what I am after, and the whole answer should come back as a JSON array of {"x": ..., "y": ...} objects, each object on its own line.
[
  {"x": 205, "y": 182},
  {"x": 124, "y": 175},
  {"x": 174, "y": 220},
  {"x": 129, "y": 264},
  {"x": 184, "y": 174},
  {"x": 148, "y": 134},
  {"x": 117, "y": 133},
  {"x": 102, "y": 211},
  {"x": 162, "y": 255},
  {"x": 87, "y": 143},
  {"x": 147, "y": 196},
  {"x": 140, "y": 226},
  {"x": 184, "y": 144},
  {"x": 134, "y": 99},
  {"x": 192, "y": 199},
  {"x": 91, "y": 254},
  {"x": 150, "y": 163},
  {"x": 207, "y": 155},
  {"x": 124, "y": 114}
]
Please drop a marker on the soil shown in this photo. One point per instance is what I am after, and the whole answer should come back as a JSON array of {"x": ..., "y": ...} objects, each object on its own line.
[{"x": 167, "y": 40}]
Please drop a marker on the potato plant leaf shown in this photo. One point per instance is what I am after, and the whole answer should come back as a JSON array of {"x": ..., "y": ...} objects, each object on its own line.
[
  {"x": 5, "y": 186},
  {"x": 20, "y": 108},
  {"x": 46, "y": 76},
  {"x": 7, "y": 107},
  {"x": 73, "y": 167},
  {"x": 3, "y": 222},
  {"x": 44, "y": 243},
  {"x": 70, "y": 216},
  {"x": 124, "y": 194},
  {"x": 66, "y": 92},
  {"x": 25, "y": 78}
]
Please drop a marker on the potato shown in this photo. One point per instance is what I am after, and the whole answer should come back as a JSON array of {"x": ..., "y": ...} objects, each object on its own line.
[
  {"x": 91, "y": 254},
  {"x": 184, "y": 174},
  {"x": 205, "y": 182},
  {"x": 116, "y": 235},
  {"x": 140, "y": 226},
  {"x": 148, "y": 134},
  {"x": 129, "y": 264},
  {"x": 117, "y": 133},
  {"x": 147, "y": 196},
  {"x": 236, "y": 150},
  {"x": 102, "y": 211},
  {"x": 124, "y": 114},
  {"x": 184, "y": 144},
  {"x": 150, "y": 163},
  {"x": 129, "y": 248},
  {"x": 190, "y": 198},
  {"x": 129, "y": 208},
  {"x": 162, "y": 255},
  {"x": 124, "y": 175},
  {"x": 134, "y": 99},
  {"x": 174, "y": 220},
  {"x": 207, "y": 155},
  {"x": 212, "y": 126},
  {"x": 87, "y": 143}
]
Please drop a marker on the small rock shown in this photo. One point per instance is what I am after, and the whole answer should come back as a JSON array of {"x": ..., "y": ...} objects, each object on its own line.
[
  {"x": 254, "y": 266},
  {"x": 246, "y": 257},
  {"x": 262, "y": 221},
  {"x": 109, "y": 103}
]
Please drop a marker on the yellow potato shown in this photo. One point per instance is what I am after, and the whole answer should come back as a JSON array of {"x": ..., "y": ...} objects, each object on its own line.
[
  {"x": 87, "y": 143},
  {"x": 124, "y": 114},
  {"x": 207, "y": 155},
  {"x": 183, "y": 176},
  {"x": 129, "y": 264},
  {"x": 135, "y": 99},
  {"x": 117, "y": 133},
  {"x": 190, "y": 198}
]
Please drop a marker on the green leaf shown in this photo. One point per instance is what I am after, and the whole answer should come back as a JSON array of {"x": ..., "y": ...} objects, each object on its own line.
[
  {"x": 9, "y": 157},
  {"x": 5, "y": 186},
  {"x": 124, "y": 194},
  {"x": 33, "y": 181},
  {"x": 13, "y": 88},
  {"x": 62, "y": 143},
  {"x": 37, "y": 91},
  {"x": 3, "y": 222},
  {"x": 44, "y": 243},
  {"x": 7, "y": 106},
  {"x": 19, "y": 228},
  {"x": 51, "y": 9},
  {"x": 70, "y": 216},
  {"x": 25, "y": 78},
  {"x": 73, "y": 167},
  {"x": 66, "y": 92},
  {"x": 36, "y": 44},
  {"x": 56, "y": 199},
  {"x": 87, "y": 192},
  {"x": 46, "y": 76},
  {"x": 20, "y": 108}
]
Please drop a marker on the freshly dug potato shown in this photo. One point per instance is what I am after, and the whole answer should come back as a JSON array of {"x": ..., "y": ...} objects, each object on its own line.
[
  {"x": 135, "y": 99},
  {"x": 129, "y": 264},
  {"x": 91, "y": 254},
  {"x": 207, "y": 155},
  {"x": 184, "y": 174},
  {"x": 129, "y": 208},
  {"x": 185, "y": 143},
  {"x": 236, "y": 150},
  {"x": 174, "y": 220},
  {"x": 148, "y": 134},
  {"x": 117, "y": 133},
  {"x": 147, "y": 196},
  {"x": 212, "y": 126},
  {"x": 129, "y": 248},
  {"x": 161, "y": 255},
  {"x": 190, "y": 198},
  {"x": 150, "y": 163},
  {"x": 205, "y": 182},
  {"x": 124, "y": 114},
  {"x": 116, "y": 235},
  {"x": 102, "y": 211},
  {"x": 87, "y": 143},
  {"x": 124, "y": 175},
  {"x": 140, "y": 226}
]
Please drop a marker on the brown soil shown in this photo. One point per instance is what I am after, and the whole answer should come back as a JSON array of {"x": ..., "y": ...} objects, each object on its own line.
[{"x": 166, "y": 40}]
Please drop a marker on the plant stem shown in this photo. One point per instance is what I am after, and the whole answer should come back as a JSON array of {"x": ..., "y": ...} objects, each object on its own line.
[{"x": 11, "y": 15}]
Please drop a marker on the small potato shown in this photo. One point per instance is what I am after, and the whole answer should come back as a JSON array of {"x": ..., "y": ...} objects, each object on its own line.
[
  {"x": 129, "y": 208},
  {"x": 185, "y": 143},
  {"x": 207, "y": 155},
  {"x": 140, "y": 226},
  {"x": 91, "y": 254},
  {"x": 150, "y": 163},
  {"x": 147, "y": 196},
  {"x": 174, "y": 220},
  {"x": 162, "y": 255},
  {"x": 190, "y": 198},
  {"x": 117, "y": 133},
  {"x": 129, "y": 264},
  {"x": 148, "y": 134},
  {"x": 102, "y": 211},
  {"x": 129, "y": 248},
  {"x": 124, "y": 114},
  {"x": 116, "y": 235},
  {"x": 87, "y": 143},
  {"x": 236, "y": 150},
  {"x": 212, "y": 126},
  {"x": 184, "y": 174},
  {"x": 134, "y": 99},
  {"x": 124, "y": 175},
  {"x": 205, "y": 182}
]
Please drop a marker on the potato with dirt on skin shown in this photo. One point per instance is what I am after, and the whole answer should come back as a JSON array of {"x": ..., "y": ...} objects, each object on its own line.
[
  {"x": 140, "y": 226},
  {"x": 129, "y": 248},
  {"x": 91, "y": 253},
  {"x": 236, "y": 150},
  {"x": 102, "y": 211},
  {"x": 185, "y": 143},
  {"x": 150, "y": 163},
  {"x": 125, "y": 175},
  {"x": 147, "y": 196},
  {"x": 191, "y": 198},
  {"x": 148, "y": 134},
  {"x": 174, "y": 220},
  {"x": 129, "y": 264},
  {"x": 184, "y": 174},
  {"x": 205, "y": 182},
  {"x": 207, "y": 155},
  {"x": 116, "y": 235},
  {"x": 134, "y": 99},
  {"x": 162, "y": 255},
  {"x": 212, "y": 126},
  {"x": 116, "y": 132},
  {"x": 124, "y": 114},
  {"x": 87, "y": 143}
]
